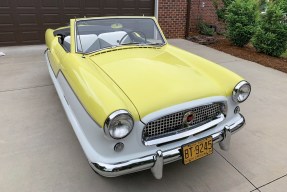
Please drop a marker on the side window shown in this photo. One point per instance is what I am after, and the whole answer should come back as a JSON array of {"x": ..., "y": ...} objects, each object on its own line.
[{"x": 67, "y": 43}]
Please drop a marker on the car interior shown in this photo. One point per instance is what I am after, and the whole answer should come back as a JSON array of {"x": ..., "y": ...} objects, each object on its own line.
[{"x": 94, "y": 38}]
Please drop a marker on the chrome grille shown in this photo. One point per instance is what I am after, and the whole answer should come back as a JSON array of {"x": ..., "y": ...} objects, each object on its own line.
[{"x": 174, "y": 122}]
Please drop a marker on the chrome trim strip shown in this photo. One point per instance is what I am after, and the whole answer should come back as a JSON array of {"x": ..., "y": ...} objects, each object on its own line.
[
  {"x": 154, "y": 161},
  {"x": 186, "y": 133},
  {"x": 183, "y": 106}
]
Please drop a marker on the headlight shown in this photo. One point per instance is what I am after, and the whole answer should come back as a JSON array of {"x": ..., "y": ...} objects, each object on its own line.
[
  {"x": 241, "y": 91},
  {"x": 119, "y": 124}
]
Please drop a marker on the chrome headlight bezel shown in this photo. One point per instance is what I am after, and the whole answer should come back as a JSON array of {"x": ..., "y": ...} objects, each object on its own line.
[
  {"x": 238, "y": 91},
  {"x": 122, "y": 116}
]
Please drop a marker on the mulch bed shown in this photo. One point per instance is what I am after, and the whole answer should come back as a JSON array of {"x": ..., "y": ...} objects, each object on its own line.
[{"x": 249, "y": 53}]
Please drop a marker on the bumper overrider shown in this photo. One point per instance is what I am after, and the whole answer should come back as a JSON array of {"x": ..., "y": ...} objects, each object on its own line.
[{"x": 156, "y": 161}]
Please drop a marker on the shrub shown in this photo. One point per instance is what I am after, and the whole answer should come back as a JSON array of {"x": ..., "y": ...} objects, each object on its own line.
[
  {"x": 263, "y": 4},
  {"x": 271, "y": 36},
  {"x": 221, "y": 10},
  {"x": 282, "y": 4},
  {"x": 205, "y": 29},
  {"x": 241, "y": 21}
]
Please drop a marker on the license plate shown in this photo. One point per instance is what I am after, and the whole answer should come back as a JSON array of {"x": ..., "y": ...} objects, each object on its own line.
[{"x": 196, "y": 150}]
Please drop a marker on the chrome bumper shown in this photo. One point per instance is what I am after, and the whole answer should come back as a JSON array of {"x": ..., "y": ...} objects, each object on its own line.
[{"x": 156, "y": 161}]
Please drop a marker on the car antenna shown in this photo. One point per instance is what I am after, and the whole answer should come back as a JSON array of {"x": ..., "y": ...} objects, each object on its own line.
[{"x": 83, "y": 56}]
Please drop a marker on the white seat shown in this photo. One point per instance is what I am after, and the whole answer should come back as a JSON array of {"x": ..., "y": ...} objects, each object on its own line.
[
  {"x": 85, "y": 42},
  {"x": 112, "y": 37},
  {"x": 92, "y": 42}
]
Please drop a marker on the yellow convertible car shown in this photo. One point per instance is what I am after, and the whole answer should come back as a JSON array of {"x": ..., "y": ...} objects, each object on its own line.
[{"x": 134, "y": 101}]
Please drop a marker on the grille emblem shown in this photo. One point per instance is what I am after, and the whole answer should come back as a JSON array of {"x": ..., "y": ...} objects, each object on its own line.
[{"x": 188, "y": 118}]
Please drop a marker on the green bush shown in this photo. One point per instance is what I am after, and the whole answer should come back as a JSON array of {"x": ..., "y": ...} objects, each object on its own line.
[
  {"x": 205, "y": 29},
  {"x": 241, "y": 21},
  {"x": 271, "y": 36},
  {"x": 221, "y": 10},
  {"x": 282, "y": 4},
  {"x": 263, "y": 4},
  {"x": 221, "y": 13}
]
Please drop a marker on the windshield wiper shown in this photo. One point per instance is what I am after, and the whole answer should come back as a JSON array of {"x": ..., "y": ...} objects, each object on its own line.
[
  {"x": 155, "y": 44},
  {"x": 132, "y": 43},
  {"x": 137, "y": 43}
]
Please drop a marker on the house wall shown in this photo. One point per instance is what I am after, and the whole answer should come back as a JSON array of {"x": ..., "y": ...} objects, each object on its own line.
[
  {"x": 203, "y": 10},
  {"x": 172, "y": 15}
]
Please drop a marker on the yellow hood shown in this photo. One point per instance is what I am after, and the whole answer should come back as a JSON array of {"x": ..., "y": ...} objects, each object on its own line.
[{"x": 156, "y": 78}]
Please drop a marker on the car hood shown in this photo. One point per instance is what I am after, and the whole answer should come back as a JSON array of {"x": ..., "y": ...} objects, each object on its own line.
[{"x": 156, "y": 78}]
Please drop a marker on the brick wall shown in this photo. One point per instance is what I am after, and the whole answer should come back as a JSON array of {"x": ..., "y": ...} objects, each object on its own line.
[
  {"x": 172, "y": 17},
  {"x": 203, "y": 10}
]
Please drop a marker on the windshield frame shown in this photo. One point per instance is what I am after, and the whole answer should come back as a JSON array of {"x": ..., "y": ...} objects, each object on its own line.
[{"x": 116, "y": 46}]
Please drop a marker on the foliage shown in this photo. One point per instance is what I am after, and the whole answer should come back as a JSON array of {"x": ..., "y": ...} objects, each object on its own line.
[
  {"x": 263, "y": 4},
  {"x": 271, "y": 36},
  {"x": 227, "y": 2},
  {"x": 221, "y": 13},
  {"x": 205, "y": 29},
  {"x": 282, "y": 4},
  {"x": 221, "y": 10},
  {"x": 241, "y": 21}
]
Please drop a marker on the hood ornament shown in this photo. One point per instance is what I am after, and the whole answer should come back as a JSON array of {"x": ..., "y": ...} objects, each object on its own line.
[{"x": 189, "y": 118}]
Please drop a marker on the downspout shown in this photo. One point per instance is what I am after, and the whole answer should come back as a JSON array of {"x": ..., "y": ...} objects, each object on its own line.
[
  {"x": 187, "y": 27},
  {"x": 156, "y": 9},
  {"x": 155, "y": 15}
]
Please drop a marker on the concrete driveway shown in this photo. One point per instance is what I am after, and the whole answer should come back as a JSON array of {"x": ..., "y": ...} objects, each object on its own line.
[{"x": 40, "y": 152}]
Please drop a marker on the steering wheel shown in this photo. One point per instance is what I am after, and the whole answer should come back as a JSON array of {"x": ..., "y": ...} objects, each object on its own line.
[{"x": 135, "y": 34}]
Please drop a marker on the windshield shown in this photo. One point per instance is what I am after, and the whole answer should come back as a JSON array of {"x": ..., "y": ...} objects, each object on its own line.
[{"x": 96, "y": 34}]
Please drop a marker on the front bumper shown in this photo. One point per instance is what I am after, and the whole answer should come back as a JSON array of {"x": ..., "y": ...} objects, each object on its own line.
[{"x": 156, "y": 161}]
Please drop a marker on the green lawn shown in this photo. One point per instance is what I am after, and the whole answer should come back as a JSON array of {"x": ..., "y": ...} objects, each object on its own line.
[{"x": 284, "y": 55}]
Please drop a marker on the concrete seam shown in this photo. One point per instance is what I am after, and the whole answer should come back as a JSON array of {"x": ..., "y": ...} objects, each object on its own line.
[
  {"x": 272, "y": 181},
  {"x": 24, "y": 88},
  {"x": 27, "y": 62},
  {"x": 256, "y": 188}
]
